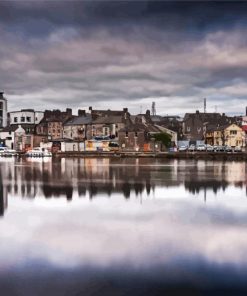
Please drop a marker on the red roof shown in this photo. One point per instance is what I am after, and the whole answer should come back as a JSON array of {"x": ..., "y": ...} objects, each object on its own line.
[{"x": 244, "y": 128}]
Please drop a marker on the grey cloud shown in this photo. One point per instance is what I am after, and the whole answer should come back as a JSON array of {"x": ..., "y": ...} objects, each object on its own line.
[{"x": 105, "y": 52}]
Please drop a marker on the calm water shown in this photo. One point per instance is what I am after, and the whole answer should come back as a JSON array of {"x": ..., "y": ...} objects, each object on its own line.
[{"x": 123, "y": 227}]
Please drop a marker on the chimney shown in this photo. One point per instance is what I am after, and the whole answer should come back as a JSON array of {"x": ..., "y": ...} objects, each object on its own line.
[
  {"x": 148, "y": 113},
  {"x": 69, "y": 111},
  {"x": 81, "y": 112},
  {"x": 125, "y": 110},
  {"x": 1, "y": 95}
]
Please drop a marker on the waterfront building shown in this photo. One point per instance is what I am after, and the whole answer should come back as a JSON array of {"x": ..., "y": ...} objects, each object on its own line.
[
  {"x": 52, "y": 123},
  {"x": 25, "y": 116},
  {"x": 7, "y": 136},
  {"x": 3, "y": 110},
  {"x": 138, "y": 136},
  {"x": 230, "y": 135},
  {"x": 78, "y": 127},
  {"x": 195, "y": 124},
  {"x": 108, "y": 123},
  {"x": 25, "y": 137}
]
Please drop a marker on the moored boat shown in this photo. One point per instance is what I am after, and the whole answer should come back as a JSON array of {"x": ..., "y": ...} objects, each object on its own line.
[{"x": 38, "y": 152}]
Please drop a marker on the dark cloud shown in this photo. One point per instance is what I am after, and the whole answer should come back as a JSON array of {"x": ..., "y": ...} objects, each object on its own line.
[
  {"x": 122, "y": 51},
  {"x": 191, "y": 15}
]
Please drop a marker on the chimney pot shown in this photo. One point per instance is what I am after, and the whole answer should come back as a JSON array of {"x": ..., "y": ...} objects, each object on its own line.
[{"x": 81, "y": 112}]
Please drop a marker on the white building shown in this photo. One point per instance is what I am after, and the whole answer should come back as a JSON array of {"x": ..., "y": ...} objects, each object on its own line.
[
  {"x": 7, "y": 136},
  {"x": 3, "y": 110},
  {"x": 25, "y": 116}
]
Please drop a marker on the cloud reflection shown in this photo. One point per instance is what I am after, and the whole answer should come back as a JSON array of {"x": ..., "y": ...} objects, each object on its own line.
[{"x": 162, "y": 232}]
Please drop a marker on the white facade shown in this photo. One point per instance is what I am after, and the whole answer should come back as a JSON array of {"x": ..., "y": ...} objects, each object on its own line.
[
  {"x": 8, "y": 137},
  {"x": 72, "y": 146},
  {"x": 244, "y": 120},
  {"x": 26, "y": 116},
  {"x": 3, "y": 110}
]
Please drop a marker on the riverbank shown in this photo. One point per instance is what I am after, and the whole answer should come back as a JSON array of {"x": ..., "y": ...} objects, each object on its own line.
[{"x": 242, "y": 156}]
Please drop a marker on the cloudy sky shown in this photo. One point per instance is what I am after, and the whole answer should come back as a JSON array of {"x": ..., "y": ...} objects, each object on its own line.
[{"x": 58, "y": 54}]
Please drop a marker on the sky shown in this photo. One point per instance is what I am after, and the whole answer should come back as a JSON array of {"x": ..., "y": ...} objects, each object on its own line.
[{"x": 116, "y": 54}]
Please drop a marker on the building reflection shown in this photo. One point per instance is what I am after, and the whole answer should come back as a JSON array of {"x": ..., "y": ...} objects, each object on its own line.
[
  {"x": 3, "y": 198},
  {"x": 130, "y": 177}
]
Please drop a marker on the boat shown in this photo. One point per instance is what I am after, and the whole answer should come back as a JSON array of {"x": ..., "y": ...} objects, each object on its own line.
[
  {"x": 38, "y": 152},
  {"x": 5, "y": 151}
]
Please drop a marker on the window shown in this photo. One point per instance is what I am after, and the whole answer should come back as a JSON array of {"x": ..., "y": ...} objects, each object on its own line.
[
  {"x": 22, "y": 119},
  {"x": 188, "y": 128},
  {"x": 28, "y": 119},
  {"x": 232, "y": 132},
  {"x": 136, "y": 135},
  {"x": 126, "y": 134},
  {"x": 106, "y": 131},
  {"x": 15, "y": 119},
  {"x": 1, "y": 105}
]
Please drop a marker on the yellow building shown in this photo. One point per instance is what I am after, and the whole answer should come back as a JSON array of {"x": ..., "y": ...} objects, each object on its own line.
[{"x": 230, "y": 135}]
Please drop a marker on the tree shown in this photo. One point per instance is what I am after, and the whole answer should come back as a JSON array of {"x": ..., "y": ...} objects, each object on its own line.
[{"x": 164, "y": 138}]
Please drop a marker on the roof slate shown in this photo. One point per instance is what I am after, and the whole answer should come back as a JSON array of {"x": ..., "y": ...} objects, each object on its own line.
[{"x": 79, "y": 120}]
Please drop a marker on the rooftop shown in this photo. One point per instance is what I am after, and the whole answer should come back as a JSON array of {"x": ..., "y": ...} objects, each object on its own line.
[{"x": 79, "y": 120}]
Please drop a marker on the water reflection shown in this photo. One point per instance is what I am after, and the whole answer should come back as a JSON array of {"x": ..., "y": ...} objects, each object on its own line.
[
  {"x": 153, "y": 235},
  {"x": 130, "y": 177}
]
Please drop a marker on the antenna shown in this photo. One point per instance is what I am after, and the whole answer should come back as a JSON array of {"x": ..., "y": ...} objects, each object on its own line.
[
  {"x": 153, "y": 109},
  {"x": 205, "y": 105}
]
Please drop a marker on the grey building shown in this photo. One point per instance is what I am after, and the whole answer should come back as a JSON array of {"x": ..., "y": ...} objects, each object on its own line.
[{"x": 3, "y": 110}]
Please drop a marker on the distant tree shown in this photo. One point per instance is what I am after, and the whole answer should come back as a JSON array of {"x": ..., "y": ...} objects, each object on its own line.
[{"x": 164, "y": 138}]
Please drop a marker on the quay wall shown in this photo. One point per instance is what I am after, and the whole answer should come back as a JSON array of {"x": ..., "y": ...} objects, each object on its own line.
[{"x": 237, "y": 156}]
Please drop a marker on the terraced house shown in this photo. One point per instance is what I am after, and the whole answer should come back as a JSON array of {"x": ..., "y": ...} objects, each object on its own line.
[
  {"x": 107, "y": 123},
  {"x": 79, "y": 127},
  {"x": 51, "y": 126},
  {"x": 227, "y": 135}
]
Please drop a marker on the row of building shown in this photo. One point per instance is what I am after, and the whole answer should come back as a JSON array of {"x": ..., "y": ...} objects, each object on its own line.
[
  {"x": 100, "y": 129},
  {"x": 92, "y": 130}
]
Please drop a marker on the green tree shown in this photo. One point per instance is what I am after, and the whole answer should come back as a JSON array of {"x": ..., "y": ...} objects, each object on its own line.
[{"x": 164, "y": 138}]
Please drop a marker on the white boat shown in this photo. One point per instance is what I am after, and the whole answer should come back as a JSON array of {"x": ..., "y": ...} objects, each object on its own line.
[
  {"x": 38, "y": 152},
  {"x": 5, "y": 151}
]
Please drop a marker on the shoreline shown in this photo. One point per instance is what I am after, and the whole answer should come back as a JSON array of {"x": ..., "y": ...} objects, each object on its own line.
[{"x": 242, "y": 156}]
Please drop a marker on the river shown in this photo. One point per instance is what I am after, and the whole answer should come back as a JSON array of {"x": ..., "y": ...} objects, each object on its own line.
[{"x": 105, "y": 226}]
